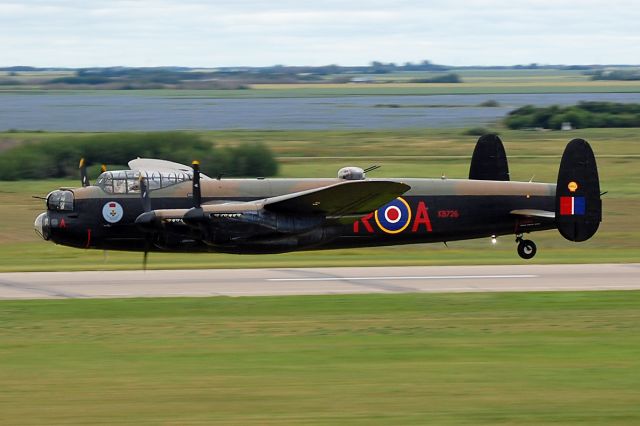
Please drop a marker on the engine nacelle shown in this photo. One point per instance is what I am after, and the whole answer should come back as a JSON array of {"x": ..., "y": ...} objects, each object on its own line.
[
  {"x": 264, "y": 222},
  {"x": 283, "y": 243}
]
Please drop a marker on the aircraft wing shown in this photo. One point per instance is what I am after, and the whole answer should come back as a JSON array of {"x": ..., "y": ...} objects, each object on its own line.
[
  {"x": 344, "y": 199},
  {"x": 538, "y": 214},
  {"x": 351, "y": 198}
]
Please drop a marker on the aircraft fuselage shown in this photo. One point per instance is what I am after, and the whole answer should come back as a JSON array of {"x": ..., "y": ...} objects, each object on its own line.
[{"x": 432, "y": 210}]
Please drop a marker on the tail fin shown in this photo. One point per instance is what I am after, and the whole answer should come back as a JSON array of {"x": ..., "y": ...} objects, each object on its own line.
[
  {"x": 578, "y": 204},
  {"x": 489, "y": 161}
]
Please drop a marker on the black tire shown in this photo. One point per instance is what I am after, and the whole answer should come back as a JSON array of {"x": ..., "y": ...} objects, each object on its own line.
[{"x": 527, "y": 249}]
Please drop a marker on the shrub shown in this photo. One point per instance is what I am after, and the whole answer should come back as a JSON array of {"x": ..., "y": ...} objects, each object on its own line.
[
  {"x": 491, "y": 103},
  {"x": 446, "y": 78},
  {"x": 478, "y": 131}
]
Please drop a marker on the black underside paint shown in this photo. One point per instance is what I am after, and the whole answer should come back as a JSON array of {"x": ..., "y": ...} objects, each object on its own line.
[{"x": 433, "y": 219}]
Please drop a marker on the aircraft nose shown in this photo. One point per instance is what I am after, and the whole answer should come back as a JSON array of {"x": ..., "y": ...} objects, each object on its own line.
[{"x": 41, "y": 226}]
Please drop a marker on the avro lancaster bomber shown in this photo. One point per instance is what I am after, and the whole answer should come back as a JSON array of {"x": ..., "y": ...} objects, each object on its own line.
[{"x": 158, "y": 205}]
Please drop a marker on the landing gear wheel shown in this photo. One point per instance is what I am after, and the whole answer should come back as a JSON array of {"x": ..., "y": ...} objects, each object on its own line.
[{"x": 527, "y": 249}]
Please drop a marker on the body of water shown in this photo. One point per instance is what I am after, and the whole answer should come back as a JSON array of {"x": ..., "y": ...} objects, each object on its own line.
[{"x": 135, "y": 112}]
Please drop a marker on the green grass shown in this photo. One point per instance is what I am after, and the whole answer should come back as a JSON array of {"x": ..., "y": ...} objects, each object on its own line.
[
  {"x": 529, "y": 358},
  {"x": 410, "y": 153},
  {"x": 383, "y": 144},
  {"x": 552, "y": 249}
]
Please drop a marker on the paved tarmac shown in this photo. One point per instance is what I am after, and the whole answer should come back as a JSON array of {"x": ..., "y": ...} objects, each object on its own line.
[{"x": 303, "y": 281}]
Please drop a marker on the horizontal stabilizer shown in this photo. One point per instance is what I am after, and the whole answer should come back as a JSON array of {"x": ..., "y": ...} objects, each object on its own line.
[
  {"x": 539, "y": 214},
  {"x": 489, "y": 161}
]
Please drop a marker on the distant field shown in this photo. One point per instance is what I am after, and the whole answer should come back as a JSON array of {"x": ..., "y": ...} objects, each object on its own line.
[
  {"x": 475, "y": 81},
  {"x": 368, "y": 89},
  {"x": 479, "y": 86},
  {"x": 527, "y": 359},
  {"x": 411, "y": 153},
  {"x": 475, "y": 74}
]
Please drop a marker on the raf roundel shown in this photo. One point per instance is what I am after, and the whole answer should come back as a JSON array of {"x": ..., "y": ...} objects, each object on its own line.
[
  {"x": 112, "y": 212},
  {"x": 394, "y": 217}
]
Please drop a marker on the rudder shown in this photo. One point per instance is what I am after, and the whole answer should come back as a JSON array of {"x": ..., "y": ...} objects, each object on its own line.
[
  {"x": 489, "y": 160},
  {"x": 578, "y": 204}
]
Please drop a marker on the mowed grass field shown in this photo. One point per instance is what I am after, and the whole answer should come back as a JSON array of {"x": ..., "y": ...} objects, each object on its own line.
[
  {"x": 519, "y": 358},
  {"x": 408, "y": 153}
]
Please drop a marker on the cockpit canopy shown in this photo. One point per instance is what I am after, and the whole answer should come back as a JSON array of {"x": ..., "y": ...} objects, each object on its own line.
[
  {"x": 128, "y": 181},
  {"x": 60, "y": 200}
]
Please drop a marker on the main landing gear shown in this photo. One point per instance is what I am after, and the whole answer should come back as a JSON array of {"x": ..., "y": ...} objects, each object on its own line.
[{"x": 526, "y": 248}]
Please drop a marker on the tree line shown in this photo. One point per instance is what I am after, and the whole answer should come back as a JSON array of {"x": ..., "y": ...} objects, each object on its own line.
[
  {"x": 584, "y": 114},
  {"x": 620, "y": 75},
  {"x": 59, "y": 157}
]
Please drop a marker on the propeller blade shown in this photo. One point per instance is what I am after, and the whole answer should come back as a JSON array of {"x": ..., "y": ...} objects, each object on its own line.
[
  {"x": 145, "y": 257},
  {"x": 144, "y": 194},
  {"x": 146, "y": 206},
  {"x": 197, "y": 196},
  {"x": 84, "y": 179}
]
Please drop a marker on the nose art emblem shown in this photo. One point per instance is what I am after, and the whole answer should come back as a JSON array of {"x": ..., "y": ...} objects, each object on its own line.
[{"x": 112, "y": 212}]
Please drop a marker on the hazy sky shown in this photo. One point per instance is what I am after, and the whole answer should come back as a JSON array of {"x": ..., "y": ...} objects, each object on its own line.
[{"x": 75, "y": 33}]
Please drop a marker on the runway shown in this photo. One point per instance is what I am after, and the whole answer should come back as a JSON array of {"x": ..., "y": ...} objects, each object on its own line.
[{"x": 308, "y": 281}]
